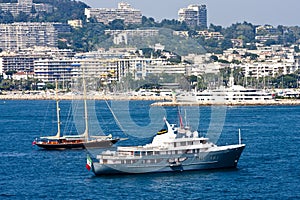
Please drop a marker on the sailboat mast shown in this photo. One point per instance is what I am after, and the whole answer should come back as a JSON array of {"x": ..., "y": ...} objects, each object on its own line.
[
  {"x": 86, "y": 132},
  {"x": 57, "y": 109}
]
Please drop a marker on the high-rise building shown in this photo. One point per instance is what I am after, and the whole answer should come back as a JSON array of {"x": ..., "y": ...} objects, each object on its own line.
[
  {"x": 193, "y": 15},
  {"x": 17, "y": 36},
  {"x": 25, "y": 2},
  {"x": 106, "y": 15},
  {"x": 25, "y": 6}
]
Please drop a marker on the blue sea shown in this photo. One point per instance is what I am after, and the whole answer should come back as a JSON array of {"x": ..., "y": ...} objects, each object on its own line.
[{"x": 269, "y": 167}]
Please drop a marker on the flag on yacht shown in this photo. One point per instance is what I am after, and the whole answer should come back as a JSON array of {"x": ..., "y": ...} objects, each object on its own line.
[{"x": 88, "y": 163}]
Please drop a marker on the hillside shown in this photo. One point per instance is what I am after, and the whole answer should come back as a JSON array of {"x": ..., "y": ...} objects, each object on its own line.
[{"x": 63, "y": 10}]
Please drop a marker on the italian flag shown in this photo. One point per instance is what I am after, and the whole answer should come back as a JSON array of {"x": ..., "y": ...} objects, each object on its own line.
[{"x": 88, "y": 163}]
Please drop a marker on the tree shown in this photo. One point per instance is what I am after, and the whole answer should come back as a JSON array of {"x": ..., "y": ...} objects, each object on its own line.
[
  {"x": 226, "y": 44},
  {"x": 10, "y": 73},
  {"x": 214, "y": 28},
  {"x": 22, "y": 17},
  {"x": 214, "y": 58},
  {"x": 148, "y": 22},
  {"x": 6, "y": 17},
  {"x": 117, "y": 24},
  {"x": 270, "y": 42}
]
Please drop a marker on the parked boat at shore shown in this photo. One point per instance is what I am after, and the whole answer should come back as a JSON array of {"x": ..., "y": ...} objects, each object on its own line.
[
  {"x": 234, "y": 94},
  {"x": 177, "y": 149}
]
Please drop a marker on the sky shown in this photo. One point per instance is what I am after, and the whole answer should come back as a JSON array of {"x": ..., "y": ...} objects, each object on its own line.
[{"x": 219, "y": 12}]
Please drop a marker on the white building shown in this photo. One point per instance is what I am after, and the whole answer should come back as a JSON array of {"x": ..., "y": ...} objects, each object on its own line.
[
  {"x": 106, "y": 70},
  {"x": 106, "y": 15},
  {"x": 17, "y": 36},
  {"x": 76, "y": 23},
  {"x": 264, "y": 69},
  {"x": 25, "y": 6},
  {"x": 193, "y": 15}
]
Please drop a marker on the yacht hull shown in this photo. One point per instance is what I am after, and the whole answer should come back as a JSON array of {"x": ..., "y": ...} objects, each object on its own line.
[{"x": 215, "y": 159}]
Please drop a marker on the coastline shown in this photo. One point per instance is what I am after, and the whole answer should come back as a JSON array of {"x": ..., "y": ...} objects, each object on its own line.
[
  {"x": 78, "y": 97},
  {"x": 261, "y": 103},
  {"x": 160, "y": 100}
]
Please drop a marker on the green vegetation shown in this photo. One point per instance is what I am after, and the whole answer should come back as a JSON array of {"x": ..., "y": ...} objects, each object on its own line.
[
  {"x": 91, "y": 35},
  {"x": 63, "y": 10}
]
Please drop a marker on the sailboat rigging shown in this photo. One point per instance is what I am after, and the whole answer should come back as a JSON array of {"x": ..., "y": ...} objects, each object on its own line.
[{"x": 74, "y": 141}]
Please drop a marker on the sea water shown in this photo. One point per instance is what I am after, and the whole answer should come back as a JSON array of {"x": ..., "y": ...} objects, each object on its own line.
[{"x": 268, "y": 167}]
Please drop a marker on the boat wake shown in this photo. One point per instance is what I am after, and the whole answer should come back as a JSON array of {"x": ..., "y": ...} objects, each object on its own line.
[{"x": 11, "y": 154}]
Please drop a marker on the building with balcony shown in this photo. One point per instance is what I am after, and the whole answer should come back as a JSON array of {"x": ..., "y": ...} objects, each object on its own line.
[
  {"x": 23, "y": 62},
  {"x": 49, "y": 70},
  {"x": 193, "y": 15},
  {"x": 211, "y": 35},
  {"x": 18, "y": 36},
  {"x": 102, "y": 69},
  {"x": 106, "y": 15},
  {"x": 25, "y": 6},
  {"x": 17, "y": 63}
]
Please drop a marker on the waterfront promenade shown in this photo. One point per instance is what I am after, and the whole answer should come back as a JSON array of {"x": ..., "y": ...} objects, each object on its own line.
[
  {"x": 91, "y": 97},
  {"x": 159, "y": 100}
]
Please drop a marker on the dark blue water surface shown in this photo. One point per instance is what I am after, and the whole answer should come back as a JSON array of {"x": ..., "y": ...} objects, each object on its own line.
[{"x": 269, "y": 167}]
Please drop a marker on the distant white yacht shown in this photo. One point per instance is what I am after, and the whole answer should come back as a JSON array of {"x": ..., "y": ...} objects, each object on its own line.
[{"x": 234, "y": 94}]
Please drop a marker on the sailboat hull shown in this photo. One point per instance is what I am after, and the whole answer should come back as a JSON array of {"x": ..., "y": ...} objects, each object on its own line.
[{"x": 78, "y": 145}]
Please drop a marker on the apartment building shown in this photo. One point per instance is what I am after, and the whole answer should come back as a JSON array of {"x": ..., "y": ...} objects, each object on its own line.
[
  {"x": 17, "y": 36},
  {"x": 17, "y": 63},
  {"x": 23, "y": 61},
  {"x": 49, "y": 70},
  {"x": 193, "y": 15},
  {"x": 211, "y": 35},
  {"x": 25, "y": 6},
  {"x": 263, "y": 69},
  {"x": 106, "y": 70},
  {"x": 106, "y": 15}
]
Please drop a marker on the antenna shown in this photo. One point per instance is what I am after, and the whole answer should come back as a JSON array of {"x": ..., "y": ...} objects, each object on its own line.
[{"x": 240, "y": 139}]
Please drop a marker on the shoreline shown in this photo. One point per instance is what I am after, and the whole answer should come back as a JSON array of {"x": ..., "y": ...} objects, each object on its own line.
[
  {"x": 262, "y": 103},
  {"x": 89, "y": 97},
  {"x": 161, "y": 101}
]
